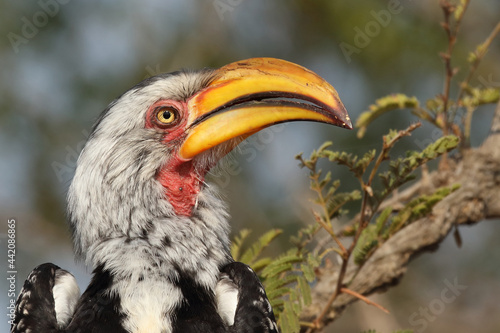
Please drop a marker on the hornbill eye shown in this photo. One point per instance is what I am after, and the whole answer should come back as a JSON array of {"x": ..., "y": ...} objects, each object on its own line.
[{"x": 166, "y": 115}]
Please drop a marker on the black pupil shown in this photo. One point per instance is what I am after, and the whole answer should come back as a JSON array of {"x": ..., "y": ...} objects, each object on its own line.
[{"x": 167, "y": 115}]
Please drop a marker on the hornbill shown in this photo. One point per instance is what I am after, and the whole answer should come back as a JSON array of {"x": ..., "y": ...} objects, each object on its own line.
[{"x": 143, "y": 218}]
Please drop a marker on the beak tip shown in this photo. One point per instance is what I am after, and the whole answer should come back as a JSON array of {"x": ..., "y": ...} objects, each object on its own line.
[
  {"x": 348, "y": 123},
  {"x": 343, "y": 116}
]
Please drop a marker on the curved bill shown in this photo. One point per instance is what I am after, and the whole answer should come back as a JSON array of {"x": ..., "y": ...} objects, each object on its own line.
[{"x": 250, "y": 95}]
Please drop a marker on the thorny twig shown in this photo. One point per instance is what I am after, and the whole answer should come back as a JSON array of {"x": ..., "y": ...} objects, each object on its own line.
[
  {"x": 364, "y": 219},
  {"x": 451, "y": 33},
  {"x": 364, "y": 299}
]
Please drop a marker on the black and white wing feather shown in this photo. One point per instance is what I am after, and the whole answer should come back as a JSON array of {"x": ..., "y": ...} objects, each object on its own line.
[
  {"x": 242, "y": 301},
  {"x": 47, "y": 300}
]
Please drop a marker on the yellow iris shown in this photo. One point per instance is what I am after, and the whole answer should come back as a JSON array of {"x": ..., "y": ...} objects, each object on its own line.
[{"x": 166, "y": 115}]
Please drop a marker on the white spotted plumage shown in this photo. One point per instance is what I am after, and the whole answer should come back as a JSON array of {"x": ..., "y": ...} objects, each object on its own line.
[
  {"x": 124, "y": 228},
  {"x": 120, "y": 217}
]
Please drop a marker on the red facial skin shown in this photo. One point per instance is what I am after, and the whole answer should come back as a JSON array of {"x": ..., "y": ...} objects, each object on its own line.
[{"x": 178, "y": 177}]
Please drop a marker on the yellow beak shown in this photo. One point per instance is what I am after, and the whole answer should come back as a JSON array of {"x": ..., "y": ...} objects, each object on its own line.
[{"x": 249, "y": 95}]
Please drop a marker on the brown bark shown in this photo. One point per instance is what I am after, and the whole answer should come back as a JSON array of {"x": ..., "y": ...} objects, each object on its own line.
[{"x": 477, "y": 170}]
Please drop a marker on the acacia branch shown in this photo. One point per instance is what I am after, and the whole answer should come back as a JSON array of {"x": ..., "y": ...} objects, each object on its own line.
[{"x": 478, "y": 198}]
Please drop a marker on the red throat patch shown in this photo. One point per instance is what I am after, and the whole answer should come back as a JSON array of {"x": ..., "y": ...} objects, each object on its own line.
[{"x": 182, "y": 185}]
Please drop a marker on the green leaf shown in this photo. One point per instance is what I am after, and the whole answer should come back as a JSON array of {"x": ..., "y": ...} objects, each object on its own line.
[
  {"x": 272, "y": 270},
  {"x": 313, "y": 260},
  {"x": 478, "y": 96},
  {"x": 368, "y": 241},
  {"x": 258, "y": 265},
  {"x": 238, "y": 242},
  {"x": 335, "y": 202},
  {"x": 418, "y": 208},
  {"x": 439, "y": 147},
  {"x": 308, "y": 272},
  {"x": 459, "y": 10},
  {"x": 277, "y": 293},
  {"x": 400, "y": 170},
  {"x": 281, "y": 264},
  {"x": 435, "y": 105},
  {"x": 325, "y": 180},
  {"x": 477, "y": 53},
  {"x": 353, "y": 162},
  {"x": 250, "y": 256},
  {"x": 305, "y": 291},
  {"x": 315, "y": 155},
  {"x": 382, "y": 106},
  {"x": 304, "y": 235},
  {"x": 290, "y": 319},
  {"x": 278, "y": 282},
  {"x": 381, "y": 220}
]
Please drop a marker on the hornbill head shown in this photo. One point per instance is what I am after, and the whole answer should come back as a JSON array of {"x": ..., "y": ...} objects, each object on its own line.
[
  {"x": 149, "y": 152},
  {"x": 155, "y": 234}
]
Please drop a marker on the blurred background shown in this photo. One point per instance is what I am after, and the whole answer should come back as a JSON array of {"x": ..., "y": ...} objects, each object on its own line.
[{"x": 63, "y": 61}]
